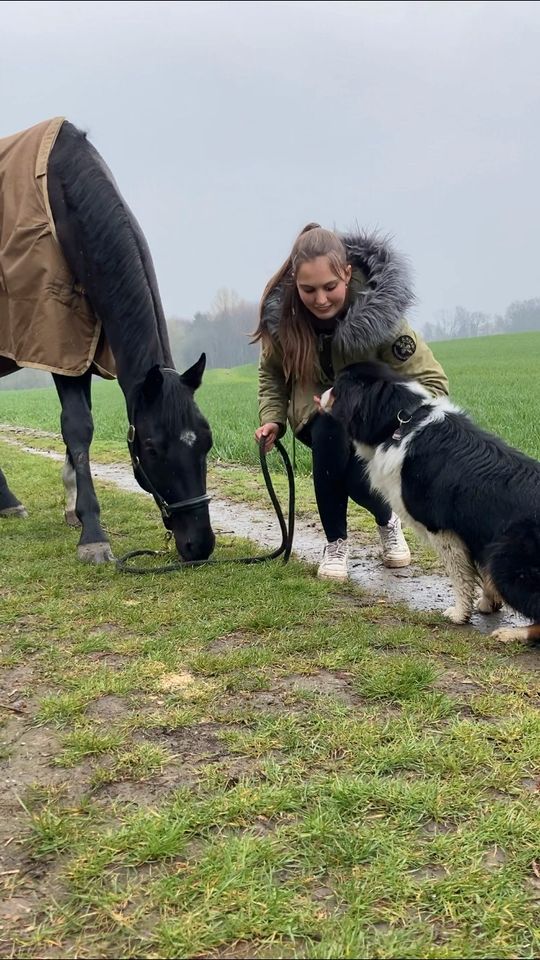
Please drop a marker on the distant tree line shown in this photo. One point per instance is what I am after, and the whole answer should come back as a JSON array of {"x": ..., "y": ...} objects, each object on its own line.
[
  {"x": 223, "y": 333},
  {"x": 520, "y": 316}
]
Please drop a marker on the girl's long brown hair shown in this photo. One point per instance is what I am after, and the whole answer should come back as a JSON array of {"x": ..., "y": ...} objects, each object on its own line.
[{"x": 295, "y": 331}]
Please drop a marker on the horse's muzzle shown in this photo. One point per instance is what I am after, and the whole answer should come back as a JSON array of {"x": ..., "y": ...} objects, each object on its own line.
[{"x": 193, "y": 536}]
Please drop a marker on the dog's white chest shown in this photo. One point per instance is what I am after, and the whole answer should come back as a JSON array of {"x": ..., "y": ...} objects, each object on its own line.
[{"x": 384, "y": 471}]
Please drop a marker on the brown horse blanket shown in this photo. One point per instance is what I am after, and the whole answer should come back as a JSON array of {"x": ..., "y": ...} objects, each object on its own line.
[{"x": 45, "y": 319}]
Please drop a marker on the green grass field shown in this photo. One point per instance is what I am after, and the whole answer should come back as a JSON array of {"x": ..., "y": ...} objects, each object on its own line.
[
  {"x": 238, "y": 762},
  {"x": 494, "y": 378},
  {"x": 249, "y": 762}
]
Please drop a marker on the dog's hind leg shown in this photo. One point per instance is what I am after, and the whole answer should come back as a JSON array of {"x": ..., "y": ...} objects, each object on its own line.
[
  {"x": 462, "y": 572},
  {"x": 514, "y": 566},
  {"x": 491, "y": 600}
]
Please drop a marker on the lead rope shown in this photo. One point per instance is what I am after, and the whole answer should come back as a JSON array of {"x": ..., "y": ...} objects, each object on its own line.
[{"x": 287, "y": 530}]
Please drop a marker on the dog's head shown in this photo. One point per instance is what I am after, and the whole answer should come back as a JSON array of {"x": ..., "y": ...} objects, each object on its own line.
[{"x": 367, "y": 397}]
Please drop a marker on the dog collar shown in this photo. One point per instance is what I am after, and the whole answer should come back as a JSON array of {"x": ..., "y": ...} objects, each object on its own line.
[
  {"x": 397, "y": 434},
  {"x": 404, "y": 417}
]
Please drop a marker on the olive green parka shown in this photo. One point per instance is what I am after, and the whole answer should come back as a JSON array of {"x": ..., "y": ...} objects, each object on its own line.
[{"x": 372, "y": 328}]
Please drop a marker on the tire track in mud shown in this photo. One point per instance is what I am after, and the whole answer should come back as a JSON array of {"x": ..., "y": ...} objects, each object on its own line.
[{"x": 411, "y": 586}]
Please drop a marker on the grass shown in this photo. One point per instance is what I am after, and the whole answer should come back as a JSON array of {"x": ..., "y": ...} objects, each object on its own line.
[
  {"x": 485, "y": 375},
  {"x": 490, "y": 376},
  {"x": 246, "y": 761},
  {"x": 493, "y": 377}
]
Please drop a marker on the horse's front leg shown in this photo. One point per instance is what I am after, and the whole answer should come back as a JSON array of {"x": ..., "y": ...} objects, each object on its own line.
[
  {"x": 77, "y": 431},
  {"x": 70, "y": 492},
  {"x": 9, "y": 505}
]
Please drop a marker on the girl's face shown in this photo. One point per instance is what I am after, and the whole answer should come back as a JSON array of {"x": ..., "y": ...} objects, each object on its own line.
[{"x": 320, "y": 290}]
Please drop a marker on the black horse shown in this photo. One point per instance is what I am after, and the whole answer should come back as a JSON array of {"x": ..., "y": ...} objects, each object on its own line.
[{"x": 168, "y": 437}]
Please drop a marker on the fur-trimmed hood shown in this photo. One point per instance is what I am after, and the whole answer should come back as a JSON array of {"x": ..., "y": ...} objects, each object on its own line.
[
  {"x": 380, "y": 302},
  {"x": 381, "y": 293}
]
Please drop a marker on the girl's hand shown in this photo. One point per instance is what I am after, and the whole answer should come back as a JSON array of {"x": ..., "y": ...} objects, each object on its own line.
[{"x": 270, "y": 431}]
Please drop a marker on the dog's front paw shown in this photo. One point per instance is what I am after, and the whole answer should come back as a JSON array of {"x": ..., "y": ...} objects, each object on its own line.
[
  {"x": 455, "y": 615},
  {"x": 485, "y": 605}
]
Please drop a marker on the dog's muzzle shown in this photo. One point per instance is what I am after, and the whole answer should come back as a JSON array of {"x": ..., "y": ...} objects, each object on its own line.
[{"x": 327, "y": 400}]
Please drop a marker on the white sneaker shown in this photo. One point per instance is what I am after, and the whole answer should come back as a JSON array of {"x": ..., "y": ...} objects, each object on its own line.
[
  {"x": 334, "y": 562},
  {"x": 395, "y": 552}
]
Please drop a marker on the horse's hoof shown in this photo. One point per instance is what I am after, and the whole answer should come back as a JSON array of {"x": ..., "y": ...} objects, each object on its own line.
[
  {"x": 18, "y": 511},
  {"x": 71, "y": 518},
  {"x": 95, "y": 552}
]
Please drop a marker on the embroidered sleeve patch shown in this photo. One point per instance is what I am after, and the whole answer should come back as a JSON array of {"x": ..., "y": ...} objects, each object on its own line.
[{"x": 404, "y": 347}]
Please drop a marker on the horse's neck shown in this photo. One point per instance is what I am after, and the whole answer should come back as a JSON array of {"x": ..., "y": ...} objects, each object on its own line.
[
  {"x": 133, "y": 361},
  {"x": 137, "y": 334},
  {"x": 138, "y": 337}
]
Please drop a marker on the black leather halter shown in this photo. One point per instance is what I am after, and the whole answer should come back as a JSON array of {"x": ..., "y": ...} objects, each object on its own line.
[
  {"x": 168, "y": 510},
  {"x": 287, "y": 530}
]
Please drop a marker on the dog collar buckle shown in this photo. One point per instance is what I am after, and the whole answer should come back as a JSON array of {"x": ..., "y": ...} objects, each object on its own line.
[{"x": 397, "y": 435}]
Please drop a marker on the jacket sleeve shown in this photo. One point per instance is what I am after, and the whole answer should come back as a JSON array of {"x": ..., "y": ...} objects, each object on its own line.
[
  {"x": 408, "y": 353},
  {"x": 273, "y": 390}
]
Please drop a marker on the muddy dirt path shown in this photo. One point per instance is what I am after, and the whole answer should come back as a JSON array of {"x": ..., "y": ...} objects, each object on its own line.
[{"x": 411, "y": 586}]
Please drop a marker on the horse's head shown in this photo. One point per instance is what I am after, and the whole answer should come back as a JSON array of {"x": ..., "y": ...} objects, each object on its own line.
[{"x": 169, "y": 440}]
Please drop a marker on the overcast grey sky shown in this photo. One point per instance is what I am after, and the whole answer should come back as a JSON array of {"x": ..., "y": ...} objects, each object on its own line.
[{"x": 229, "y": 125}]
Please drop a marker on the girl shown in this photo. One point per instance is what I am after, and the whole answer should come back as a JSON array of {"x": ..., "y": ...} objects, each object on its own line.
[{"x": 336, "y": 300}]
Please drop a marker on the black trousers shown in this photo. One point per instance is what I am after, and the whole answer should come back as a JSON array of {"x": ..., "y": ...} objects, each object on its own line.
[{"x": 337, "y": 475}]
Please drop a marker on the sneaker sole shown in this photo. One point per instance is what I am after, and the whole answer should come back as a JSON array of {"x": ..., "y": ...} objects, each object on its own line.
[
  {"x": 333, "y": 576},
  {"x": 398, "y": 562}
]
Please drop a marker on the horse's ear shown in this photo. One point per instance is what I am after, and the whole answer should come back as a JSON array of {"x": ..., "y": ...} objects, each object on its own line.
[
  {"x": 153, "y": 382},
  {"x": 193, "y": 377}
]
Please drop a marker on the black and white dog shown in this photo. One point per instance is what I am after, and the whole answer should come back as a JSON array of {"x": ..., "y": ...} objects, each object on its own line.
[{"x": 473, "y": 498}]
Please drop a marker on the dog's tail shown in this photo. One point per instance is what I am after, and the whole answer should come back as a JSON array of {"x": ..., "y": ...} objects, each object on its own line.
[{"x": 514, "y": 567}]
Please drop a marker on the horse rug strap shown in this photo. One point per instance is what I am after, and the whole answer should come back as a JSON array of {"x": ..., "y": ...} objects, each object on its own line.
[{"x": 46, "y": 321}]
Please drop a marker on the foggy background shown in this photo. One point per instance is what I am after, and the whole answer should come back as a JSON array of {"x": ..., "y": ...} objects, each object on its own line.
[{"x": 228, "y": 126}]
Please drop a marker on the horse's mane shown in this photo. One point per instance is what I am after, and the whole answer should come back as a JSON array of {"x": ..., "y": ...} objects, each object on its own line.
[
  {"x": 177, "y": 408},
  {"x": 121, "y": 282}
]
